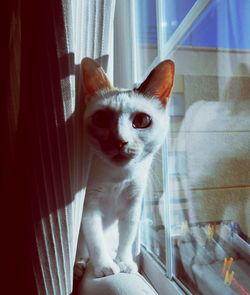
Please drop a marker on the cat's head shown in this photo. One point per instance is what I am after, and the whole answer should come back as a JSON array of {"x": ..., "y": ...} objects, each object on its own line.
[{"x": 126, "y": 126}]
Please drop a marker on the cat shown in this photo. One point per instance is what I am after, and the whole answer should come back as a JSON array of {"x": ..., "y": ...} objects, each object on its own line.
[{"x": 124, "y": 128}]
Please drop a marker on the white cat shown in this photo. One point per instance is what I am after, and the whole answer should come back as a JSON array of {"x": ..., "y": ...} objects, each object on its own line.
[{"x": 125, "y": 128}]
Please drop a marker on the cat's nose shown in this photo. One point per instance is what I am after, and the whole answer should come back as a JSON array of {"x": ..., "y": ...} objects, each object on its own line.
[{"x": 121, "y": 143}]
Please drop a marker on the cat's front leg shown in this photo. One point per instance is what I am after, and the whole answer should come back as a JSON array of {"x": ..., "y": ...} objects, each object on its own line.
[
  {"x": 93, "y": 230},
  {"x": 128, "y": 228}
]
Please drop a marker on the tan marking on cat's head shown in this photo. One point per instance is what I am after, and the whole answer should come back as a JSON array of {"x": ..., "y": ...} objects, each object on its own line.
[{"x": 94, "y": 78}]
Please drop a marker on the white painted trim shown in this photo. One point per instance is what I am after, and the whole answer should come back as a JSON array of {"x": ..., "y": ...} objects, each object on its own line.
[
  {"x": 134, "y": 52},
  {"x": 124, "y": 44},
  {"x": 167, "y": 212},
  {"x": 160, "y": 30}
]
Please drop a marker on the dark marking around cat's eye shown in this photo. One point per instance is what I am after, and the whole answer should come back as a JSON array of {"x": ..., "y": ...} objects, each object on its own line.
[
  {"x": 103, "y": 128},
  {"x": 141, "y": 121},
  {"x": 103, "y": 118}
]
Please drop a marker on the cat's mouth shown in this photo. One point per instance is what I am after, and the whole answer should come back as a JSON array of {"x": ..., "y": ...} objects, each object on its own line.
[{"x": 121, "y": 159}]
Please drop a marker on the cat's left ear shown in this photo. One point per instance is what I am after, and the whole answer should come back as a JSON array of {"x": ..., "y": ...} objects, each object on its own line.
[
  {"x": 159, "y": 83},
  {"x": 94, "y": 78}
]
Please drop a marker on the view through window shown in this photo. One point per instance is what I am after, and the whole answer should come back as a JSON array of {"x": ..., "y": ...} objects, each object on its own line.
[{"x": 196, "y": 221}]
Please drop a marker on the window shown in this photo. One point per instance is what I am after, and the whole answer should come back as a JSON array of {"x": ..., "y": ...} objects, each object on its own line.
[{"x": 196, "y": 223}]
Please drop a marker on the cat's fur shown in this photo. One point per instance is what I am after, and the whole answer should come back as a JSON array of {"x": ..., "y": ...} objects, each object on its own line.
[{"x": 122, "y": 156}]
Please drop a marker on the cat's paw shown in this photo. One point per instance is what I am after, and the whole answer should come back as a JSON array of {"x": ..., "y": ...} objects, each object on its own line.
[
  {"x": 79, "y": 268},
  {"x": 127, "y": 266},
  {"x": 106, "y": 269}
]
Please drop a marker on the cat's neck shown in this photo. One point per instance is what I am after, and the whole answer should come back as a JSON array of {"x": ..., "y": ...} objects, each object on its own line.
[{"x": 102, "y": 171}]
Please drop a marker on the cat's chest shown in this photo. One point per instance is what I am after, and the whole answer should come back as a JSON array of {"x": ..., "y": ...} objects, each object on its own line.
[
  {"x": 113, "y": 200},
  {"x": 110, "y": 197}
]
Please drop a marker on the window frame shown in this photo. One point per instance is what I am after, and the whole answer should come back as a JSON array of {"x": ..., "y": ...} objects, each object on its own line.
[
  {"x": 156, "y": 275},
  {"x": 168, "y": 47}
]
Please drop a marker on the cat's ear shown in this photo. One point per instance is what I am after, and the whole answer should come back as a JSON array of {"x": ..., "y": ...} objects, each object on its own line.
[
  {"x": 159, "y": 83},
  {"x": 94, "y": 78}
]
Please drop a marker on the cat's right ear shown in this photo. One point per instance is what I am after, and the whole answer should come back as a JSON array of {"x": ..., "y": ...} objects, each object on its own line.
[{"x": 94, "y": 78}]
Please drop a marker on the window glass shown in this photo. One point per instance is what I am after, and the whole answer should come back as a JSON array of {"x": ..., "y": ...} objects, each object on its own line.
[
  {"x": 221, "y": 26},
  {"x": 174, "y": 12},
  {"x": 200, "y": 204}
]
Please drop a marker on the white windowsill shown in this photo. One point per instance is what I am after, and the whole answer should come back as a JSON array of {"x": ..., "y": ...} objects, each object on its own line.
[{"x": 156, "y": 276}]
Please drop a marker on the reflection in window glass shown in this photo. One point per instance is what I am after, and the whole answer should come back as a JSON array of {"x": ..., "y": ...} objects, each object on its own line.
[{"x": 208, "y": 156}]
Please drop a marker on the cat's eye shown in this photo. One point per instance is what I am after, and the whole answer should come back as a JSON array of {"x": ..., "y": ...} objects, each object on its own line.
[
  {"x": 141, "y": 120},
  {"x": 102, "y": 119}
]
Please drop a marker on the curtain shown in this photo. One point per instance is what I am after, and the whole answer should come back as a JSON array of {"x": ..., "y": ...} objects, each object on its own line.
[{"x": 44, "y": 157}]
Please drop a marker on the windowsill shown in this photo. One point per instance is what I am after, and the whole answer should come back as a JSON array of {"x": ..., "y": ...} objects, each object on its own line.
[
  {"x": 156, "y": 276},
  {"x": 151, "y": 277},
  {"x": 119, "y": 284}
]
